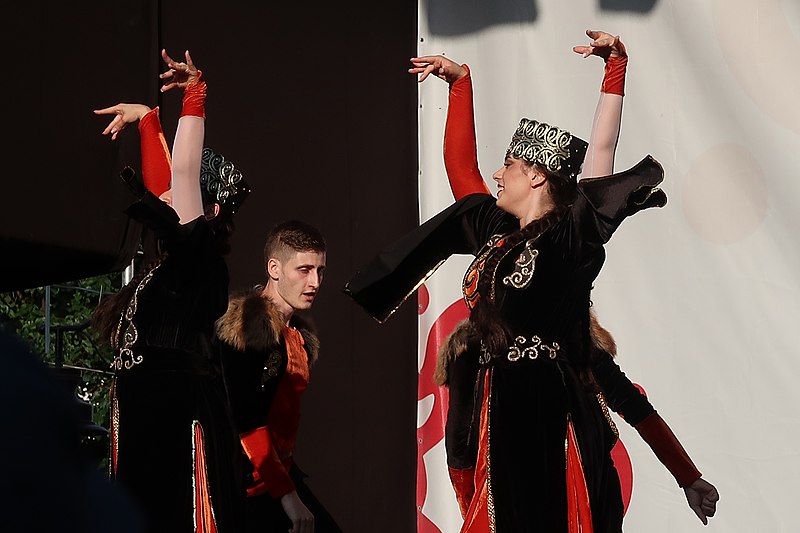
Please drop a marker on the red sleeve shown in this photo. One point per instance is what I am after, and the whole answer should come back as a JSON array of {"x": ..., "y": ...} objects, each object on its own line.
[
  {"x": 614, "y": 75},
  {"x": 258, "y": 445},
  {"x": 156, "y": 161},
  {"x": 658, "y": 435},
  {"x": 460, "y": 148},
  {"x": 194, "y": 98}
]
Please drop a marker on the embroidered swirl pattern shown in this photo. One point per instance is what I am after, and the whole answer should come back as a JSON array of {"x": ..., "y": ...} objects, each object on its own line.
[
  {"x": 218, "y": 176},
  {"x": 541, "y": 143},
  {"x": 125, "y": 357},
  {"x": 271, "y": 368},
  {"x": 523, "y": 267},
  {"x": 524, "y": 348}
]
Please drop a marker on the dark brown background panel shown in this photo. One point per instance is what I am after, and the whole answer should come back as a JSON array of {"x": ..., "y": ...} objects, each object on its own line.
[
  {"x": 312, "y": 101},
  {"x": 62, "y": 203}
]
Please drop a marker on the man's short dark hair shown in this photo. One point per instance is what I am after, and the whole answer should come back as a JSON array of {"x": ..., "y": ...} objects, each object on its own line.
[{"x": 292, "y": 236}]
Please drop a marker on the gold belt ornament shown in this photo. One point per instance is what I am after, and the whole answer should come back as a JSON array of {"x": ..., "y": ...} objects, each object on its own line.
[{"x": 531, "y": 348}]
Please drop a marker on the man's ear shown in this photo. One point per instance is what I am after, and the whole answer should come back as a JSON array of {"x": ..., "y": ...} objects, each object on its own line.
[
  {"x": 273, "y": 268},
  {"x": 211, "y": 211}
]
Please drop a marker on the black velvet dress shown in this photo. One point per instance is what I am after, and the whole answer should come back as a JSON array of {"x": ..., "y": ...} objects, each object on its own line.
[
  {"x": 173, "y": 445},
  {"x": 534, "y": 285}
]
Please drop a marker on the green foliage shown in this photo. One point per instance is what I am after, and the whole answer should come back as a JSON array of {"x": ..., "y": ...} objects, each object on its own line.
[{"x": 23, "y": 313}]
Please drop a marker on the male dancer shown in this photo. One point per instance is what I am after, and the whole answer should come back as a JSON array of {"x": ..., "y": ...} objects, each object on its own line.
[{"x": 266, "y": 352}]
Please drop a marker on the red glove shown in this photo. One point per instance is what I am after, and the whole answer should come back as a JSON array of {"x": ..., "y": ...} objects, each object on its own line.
[
  {"x": 270, "y": 473},
  {"x": 614, "y": 77},
  {"x": 156, "y": 160},
  {"x": 194, "y": 98},
  {"x": 657, "y": 434},
  {"x": 463, "y": 480}
]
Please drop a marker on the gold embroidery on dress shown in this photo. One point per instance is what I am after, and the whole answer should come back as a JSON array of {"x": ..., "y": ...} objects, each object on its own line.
[
  {"x": 271, "y": 367},
  {"x": 529, "y": 348},
  {"x": 604, "y": 406},
  {"x": 489, "y": 493},
  {"x": 407, "y": 296},
  {"x": 523, "y": 267},
  {"x": 125, "y": 358},
  {"x": 112, "y": 464}
]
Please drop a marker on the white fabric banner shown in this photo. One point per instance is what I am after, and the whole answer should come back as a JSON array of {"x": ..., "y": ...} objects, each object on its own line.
[{"x": 700, "y": 295}]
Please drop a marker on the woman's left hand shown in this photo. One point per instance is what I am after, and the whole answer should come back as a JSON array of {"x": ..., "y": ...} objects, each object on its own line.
[
  {"x": 702, "y": 497},
  {"x": 180, "y": 74},
  {"x": 603, "y": 45}
]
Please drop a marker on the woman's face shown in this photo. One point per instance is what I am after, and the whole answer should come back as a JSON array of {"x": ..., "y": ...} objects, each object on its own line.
[{"x": 514, "y": 186}]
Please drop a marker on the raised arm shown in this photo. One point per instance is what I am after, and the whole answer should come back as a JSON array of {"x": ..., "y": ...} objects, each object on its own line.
[
  {"x": 599, "y": 160},
  {"x": 460, "y": 147},
  {"x": 156, "y": 162},
  {"x": 187, "y": 149}
]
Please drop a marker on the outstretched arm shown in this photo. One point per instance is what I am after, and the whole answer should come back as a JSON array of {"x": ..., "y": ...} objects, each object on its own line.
[
  {"x": 599, "y": 160},
  {"x": 701, "y": 495},
  {"x": 156, "y": 162},
  {"x": 460, "y": 147},
  {"x": 187, "y": 150}
]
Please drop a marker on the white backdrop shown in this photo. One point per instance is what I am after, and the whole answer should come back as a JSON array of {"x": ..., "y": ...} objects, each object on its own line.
[{"x": 701, "y": 295}]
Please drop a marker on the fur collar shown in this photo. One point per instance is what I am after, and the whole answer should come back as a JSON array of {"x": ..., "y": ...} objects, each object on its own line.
[{"x": 254, "y": 323}]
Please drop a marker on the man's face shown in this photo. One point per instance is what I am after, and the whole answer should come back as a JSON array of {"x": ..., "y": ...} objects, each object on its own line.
[{"x": 298, "y": 278}]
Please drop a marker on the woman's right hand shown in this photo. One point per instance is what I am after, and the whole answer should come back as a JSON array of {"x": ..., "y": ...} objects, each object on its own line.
[
  {"x": 439, "y": 66},
  {"x": 124, "y": 114}
]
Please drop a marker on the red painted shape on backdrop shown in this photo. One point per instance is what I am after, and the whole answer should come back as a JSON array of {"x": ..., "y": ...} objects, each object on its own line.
[
  {"x": 622, "y": 462},
  {"x": 431, "y": 432},
  {"x": 423, "y": 299}
]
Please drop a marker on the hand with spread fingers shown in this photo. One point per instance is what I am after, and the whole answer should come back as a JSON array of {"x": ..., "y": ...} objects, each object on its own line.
[
  {"x": 702, "y": 497},
  {"x": 439, "y": 66},
  {"x": 180, "y": 74},
  {"x": 124, "y": 114},
  {"x": 603, "y": 45}
]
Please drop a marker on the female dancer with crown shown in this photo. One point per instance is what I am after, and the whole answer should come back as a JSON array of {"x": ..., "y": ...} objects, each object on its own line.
[
  {"x": 542, "y": 460},
  {"x": 173, "y": 446}
]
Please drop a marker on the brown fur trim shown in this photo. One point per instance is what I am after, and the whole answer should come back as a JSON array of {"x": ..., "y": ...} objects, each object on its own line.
[
  {"x": 453, "y": 347},
  {"x": 601, "y": 337},
  {"x": 251, "y": 322}
]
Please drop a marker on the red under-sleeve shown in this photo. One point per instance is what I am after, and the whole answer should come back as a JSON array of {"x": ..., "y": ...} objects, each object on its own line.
[
  {"x": 460, "y": 147},
  {"x": 156, "y": 161},
  {"x": 657, "y": 434},
  {"x": 270, "y": 473},
  {"x": 194, "y": 98}
]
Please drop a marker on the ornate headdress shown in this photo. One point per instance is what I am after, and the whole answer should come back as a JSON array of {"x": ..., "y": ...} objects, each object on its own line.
[
  {"x": 555, "y": 149},
  {"x": 222, "y": 182}
]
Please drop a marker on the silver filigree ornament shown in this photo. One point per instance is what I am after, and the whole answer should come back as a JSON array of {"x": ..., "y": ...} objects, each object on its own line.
[
  {"x": 125, "y": 357},
  {"x": 524, "y": 266},
  {"x": 552, "y": 147}
]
